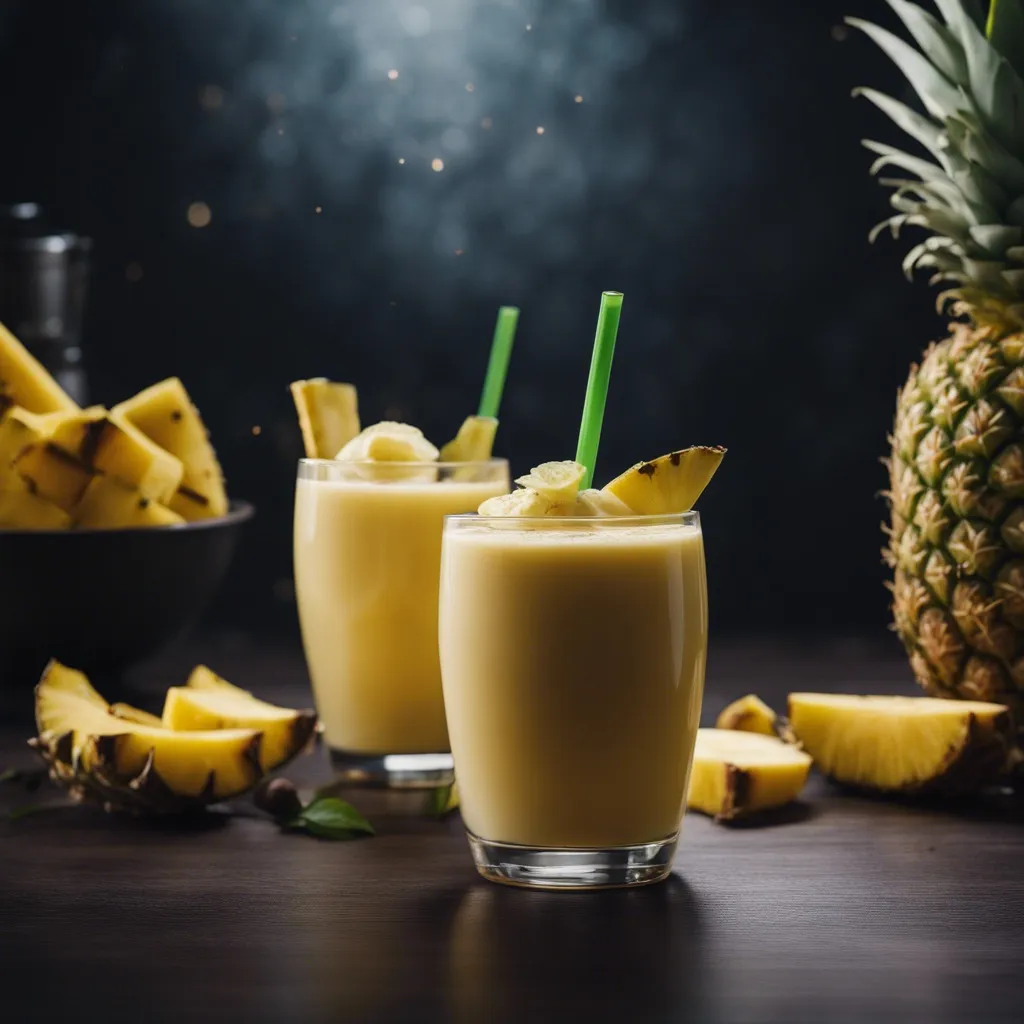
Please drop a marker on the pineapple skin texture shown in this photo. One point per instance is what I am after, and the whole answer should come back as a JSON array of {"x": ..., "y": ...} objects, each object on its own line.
[{"x": 956, "y": 531}]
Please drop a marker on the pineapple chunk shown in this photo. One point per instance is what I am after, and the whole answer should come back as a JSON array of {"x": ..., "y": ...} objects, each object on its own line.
[
  {"x": 20, "y": 509},
  {"x": 559, "y": 482},
  {"x": 53, "y": 474},
  {"x": 749, "y": 714},
  {"x": 903, "y": 744},
  {"x": 166, "y": 415},
  {"x": 209, "y": 702},
  {"x": 129, "y": 760},
  {"x": 670, "y": 484},
  {"x": 25, "y": 382},
  {"x": 473, "y": 443},
  {"x": 108, "y": 443},
  {"x": 328, "y": 415},
  {"x": 18, "y": 429},
  {"x": 110, "y": 504},
  {"x": 738, "y": 773}
]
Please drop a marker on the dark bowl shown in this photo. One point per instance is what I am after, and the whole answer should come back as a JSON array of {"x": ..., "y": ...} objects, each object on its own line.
[{"x": 103, "y": 600}]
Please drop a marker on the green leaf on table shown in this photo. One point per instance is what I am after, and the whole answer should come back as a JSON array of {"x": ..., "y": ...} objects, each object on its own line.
[
  {"x": 443, "y": 800},
  {"x": 30, "y": 778},
  {"x": 10, "y": 775},
  {"x": 26, "y": 809},
  {"x": 330, "y": 818}
]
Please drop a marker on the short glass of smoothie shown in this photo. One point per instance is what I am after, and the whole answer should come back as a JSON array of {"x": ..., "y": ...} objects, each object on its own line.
[
  {"x": 572, "y": 654},
  {"x": 367, "y": 555}
]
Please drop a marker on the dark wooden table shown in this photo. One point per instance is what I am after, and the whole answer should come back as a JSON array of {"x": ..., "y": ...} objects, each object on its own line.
[{"x": 844, "y": 910}]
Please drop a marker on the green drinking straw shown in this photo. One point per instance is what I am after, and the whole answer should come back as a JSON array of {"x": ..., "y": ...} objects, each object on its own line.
[
  {"x": 597, "y": 383},
  {"x": 497, "y": 366}
]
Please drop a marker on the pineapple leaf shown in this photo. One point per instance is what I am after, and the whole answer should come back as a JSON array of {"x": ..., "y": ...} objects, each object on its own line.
[
  {"x": 971, "y": 140},
  {"x": 914, "y": 124},
  {"x": 937, "y": 43},
  {"x": 1015, "y": 211},
  {"x": 938, "y": 94},
  {"x": 890, "y": 156},
  {"x": 1005, "y": 31},
  {"x": 997, "y": 89},
  {"x": 995, "y": 239},
  {"x": 1015, "y": 279},
  {"x": 1015, "y": 253}
]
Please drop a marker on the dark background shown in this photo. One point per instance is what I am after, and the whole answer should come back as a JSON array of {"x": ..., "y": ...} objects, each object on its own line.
[{"x": 712, "y": 172}]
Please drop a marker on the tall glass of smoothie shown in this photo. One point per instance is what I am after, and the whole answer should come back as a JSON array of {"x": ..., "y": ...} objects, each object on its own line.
[
  {"x": 367, "y": 555},
  {"x": 573, "y": 636}
]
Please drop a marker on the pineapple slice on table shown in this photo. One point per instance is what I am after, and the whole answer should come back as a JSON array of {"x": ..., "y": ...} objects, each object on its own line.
[
  {"x": 165, "y": 414},
  {"x": 131, "y": 765},
  {"x": 108, "y": 503},
  {"x": 913, "y": 745},
  {"x": 667, "y": 485},
  {"x": 24, "y": 380},
  {"x": 739, "y": 773},
  {"x": 207, "y": 701},
  {"x": 328, "y": 415},
  {"x": 473, "y": 443},
  {"x": 107, "y": 443}
]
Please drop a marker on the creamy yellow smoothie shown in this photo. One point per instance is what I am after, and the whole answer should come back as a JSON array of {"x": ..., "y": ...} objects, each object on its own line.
[
  {"x": 573, "y": 653},
  {"x": 367, "y": 552}
]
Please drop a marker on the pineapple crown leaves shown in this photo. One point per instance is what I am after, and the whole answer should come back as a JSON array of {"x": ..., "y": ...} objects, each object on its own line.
[{"x": 968, "y": 193}]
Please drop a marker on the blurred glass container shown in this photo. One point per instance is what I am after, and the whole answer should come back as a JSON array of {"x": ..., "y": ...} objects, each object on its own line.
[{"x": 43, "y": 283}]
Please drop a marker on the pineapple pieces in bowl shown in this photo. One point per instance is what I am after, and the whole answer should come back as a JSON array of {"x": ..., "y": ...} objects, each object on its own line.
[
  {"x": 146, "y": 462},
  {"x": 213, "y": 742},
  {"x": 89, "y": 575}
]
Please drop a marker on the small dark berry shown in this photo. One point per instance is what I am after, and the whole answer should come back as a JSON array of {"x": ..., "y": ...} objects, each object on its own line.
[{"x": 279, "y": 798}]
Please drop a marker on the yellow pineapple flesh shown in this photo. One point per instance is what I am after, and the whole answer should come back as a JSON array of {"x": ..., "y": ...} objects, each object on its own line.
[
  {"x": 110, "y": 504},
  {"x": 20, "y": 509},
  {"x": 92, "y": 747},
  {"x": 740, "y": 773},
  {"x": 473, "y": 443},
  {"x": 108, "y": 443},
  {"x": 328, "y": 415},
  {"x": 165, "y": 414},
  {"x": 667, "y": 485},
  {"x": 53, "y": 474},
  {"x": 903, "y": 744},
  {"x": 25, "y": 382},
  {"x": 209, "y": 702}
]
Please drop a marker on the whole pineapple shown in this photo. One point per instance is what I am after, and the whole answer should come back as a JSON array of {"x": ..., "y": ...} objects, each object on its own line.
[{"x": 956, "y": 496}]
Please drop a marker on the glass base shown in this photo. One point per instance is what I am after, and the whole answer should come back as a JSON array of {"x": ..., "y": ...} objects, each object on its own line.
[
  {"x": 533, "y": 867},
  {"x": 393, "y": 771}
]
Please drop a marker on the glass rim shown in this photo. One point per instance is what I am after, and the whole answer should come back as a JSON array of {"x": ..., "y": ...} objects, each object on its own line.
[
  {"x": 662, "y": 519},
  {"x": 433, "y": 464}
]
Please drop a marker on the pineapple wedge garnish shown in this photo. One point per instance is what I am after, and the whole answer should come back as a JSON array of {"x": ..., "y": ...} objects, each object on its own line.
[
  {"x": 134, "y": 766},
  {"x": 473, "y": 443},
  {"x": 110, "y": 504},
  {"x": 328, "y": 415},
  {"x": 25, "y": 382},
  {"x": 209, "y": 702},
  {"x": 739, "y": 773},
  {"x": 913, "y": 745},
  {"x": 165, "y": 414},
  {"x": 107, "y": 443},
  {"x": 667, "y": 485}
]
